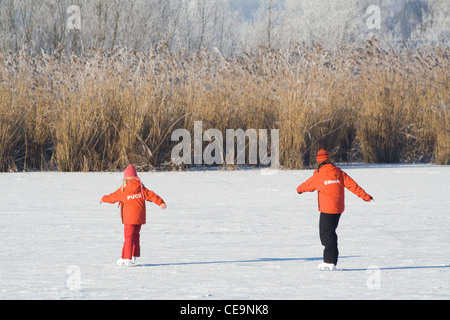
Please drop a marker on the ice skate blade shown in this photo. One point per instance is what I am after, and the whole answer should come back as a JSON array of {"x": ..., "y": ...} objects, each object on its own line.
[{"x": 327, "y": 267}]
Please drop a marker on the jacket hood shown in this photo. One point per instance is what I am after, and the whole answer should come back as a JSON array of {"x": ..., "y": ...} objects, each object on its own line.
[
  {"x": 133, "y": 186},
  {"x": 330, "y": 170}
]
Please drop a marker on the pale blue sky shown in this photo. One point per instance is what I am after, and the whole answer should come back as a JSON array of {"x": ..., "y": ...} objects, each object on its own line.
[{"x": 246, "y": 6}]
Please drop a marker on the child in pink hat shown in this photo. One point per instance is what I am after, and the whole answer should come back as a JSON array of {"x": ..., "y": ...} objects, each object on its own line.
[{"x": 131, "y": 196}]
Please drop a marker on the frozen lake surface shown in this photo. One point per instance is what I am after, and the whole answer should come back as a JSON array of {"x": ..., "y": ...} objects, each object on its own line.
[{"x": 226, "y": 235}]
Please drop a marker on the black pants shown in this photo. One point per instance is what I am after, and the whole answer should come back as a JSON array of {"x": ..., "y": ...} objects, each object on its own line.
[{"x": 328, "y": 224}]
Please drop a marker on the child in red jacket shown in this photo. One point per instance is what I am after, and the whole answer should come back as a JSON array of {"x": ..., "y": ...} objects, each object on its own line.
[
  {"x": 329, "y": 181},
  {"x": 131, "y": 197}
]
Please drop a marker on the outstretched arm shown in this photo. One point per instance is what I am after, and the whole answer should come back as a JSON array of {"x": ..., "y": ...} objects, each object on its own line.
[
  {"x": 307, "y": 186},
  {"x": 111, "y": 198},
  {"x": 351, "y": 185},
  {"x": 153, "y": 197}
]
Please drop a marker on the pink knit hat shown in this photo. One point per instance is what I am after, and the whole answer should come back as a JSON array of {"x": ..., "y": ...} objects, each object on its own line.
[{"x": 130, "y": 172}]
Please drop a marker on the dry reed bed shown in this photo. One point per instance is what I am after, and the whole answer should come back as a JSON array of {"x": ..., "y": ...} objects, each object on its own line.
[{"x": 106, "y": 109}]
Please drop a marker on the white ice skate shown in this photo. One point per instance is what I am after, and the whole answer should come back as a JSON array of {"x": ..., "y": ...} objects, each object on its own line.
[
  {"x": 327, "y": 266},
  {"x": 125, "y": 262}
]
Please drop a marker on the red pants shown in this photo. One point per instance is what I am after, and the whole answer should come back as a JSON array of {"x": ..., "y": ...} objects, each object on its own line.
[{"x": 131, "y": 247}]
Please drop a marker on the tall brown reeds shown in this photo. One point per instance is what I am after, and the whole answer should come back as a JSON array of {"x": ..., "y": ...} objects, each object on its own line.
[{"x": 110, "y": 108}]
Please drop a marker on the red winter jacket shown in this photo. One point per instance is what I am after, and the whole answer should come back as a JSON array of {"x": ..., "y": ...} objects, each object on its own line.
[
  {"x": 329, "y": 181},
  {"x": 132, "y": 209}
]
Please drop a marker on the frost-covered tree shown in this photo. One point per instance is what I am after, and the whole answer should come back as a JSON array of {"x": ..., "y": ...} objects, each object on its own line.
[
  {"x": 435, "y": 27},
  {"x": 328, "y": 23},
  {"x": 270, "y": 24},
  {"x": 194, "y": 24}
]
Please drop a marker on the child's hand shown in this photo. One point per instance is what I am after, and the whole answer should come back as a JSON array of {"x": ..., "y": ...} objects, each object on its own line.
[{"x": 163, "y": 206}]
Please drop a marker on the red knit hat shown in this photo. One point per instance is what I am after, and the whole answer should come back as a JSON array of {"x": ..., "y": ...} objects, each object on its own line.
[
  {"x": 130, "y": 171},
  {"x": 322, "y": 156}
]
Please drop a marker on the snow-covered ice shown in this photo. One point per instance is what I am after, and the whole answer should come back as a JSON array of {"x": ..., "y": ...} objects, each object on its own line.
[{"x": 226, "y": 235}]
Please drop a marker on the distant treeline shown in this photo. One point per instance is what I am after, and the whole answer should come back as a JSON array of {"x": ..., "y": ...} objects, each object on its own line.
[{"x": 75, "y": 26}]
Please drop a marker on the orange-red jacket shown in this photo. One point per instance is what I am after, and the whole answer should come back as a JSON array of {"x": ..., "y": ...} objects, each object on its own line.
[
  {"x": 329, "y": 181},
  {"x": 132, "y": 209}
]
